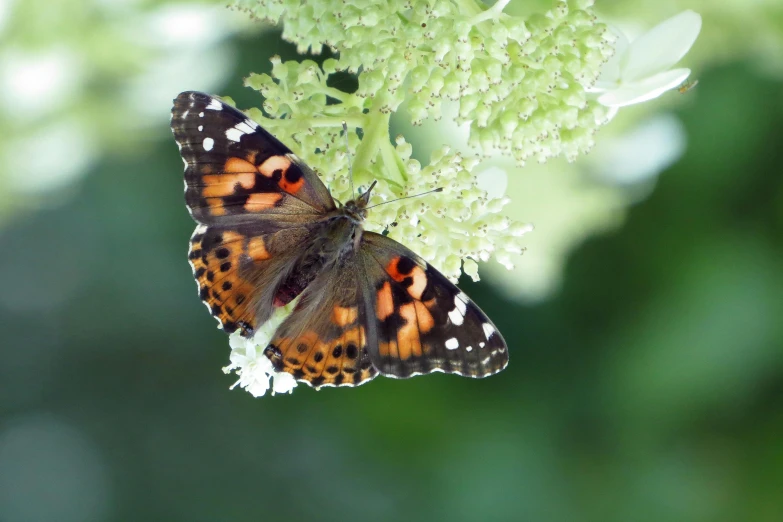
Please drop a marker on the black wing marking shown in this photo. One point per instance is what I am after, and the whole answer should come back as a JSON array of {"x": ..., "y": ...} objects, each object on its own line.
[{"x": 235, "y": 170}]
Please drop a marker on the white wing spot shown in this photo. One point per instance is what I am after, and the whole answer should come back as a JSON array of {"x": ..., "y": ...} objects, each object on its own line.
[
  {"x": 482, "y": 344},
  {"x": 488, "y": 330},
  {"x": 200, "y": 128},
  {"x": 185, "y": 114},
  {"x": 250, "y": 123},
  {"x": 200, "y": 114},
  {"x": 452, "y": 344},
  {"x": 215, "y": 105},
  {"x": 457, "y": 315},
  {"x": 244, "y": 127},
  {"x": 460, "y": 305},
  {"x": 208, "y": 144},
  {"x": 468, "y": 348},
  {"x": 234, "y": 134}
]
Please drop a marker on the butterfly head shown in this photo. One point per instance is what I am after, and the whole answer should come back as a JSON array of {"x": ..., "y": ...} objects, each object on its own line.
[{"x": 356, "y": 209}]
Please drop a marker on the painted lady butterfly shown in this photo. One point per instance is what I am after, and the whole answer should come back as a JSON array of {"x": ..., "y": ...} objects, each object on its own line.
[{"x": 269, "y": 231}]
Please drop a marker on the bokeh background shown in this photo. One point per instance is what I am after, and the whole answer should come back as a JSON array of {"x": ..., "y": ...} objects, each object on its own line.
[{"x": 646, "y": 374}]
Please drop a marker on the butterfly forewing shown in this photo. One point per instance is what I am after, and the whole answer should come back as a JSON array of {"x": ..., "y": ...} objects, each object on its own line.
[
  {"x": 259, "y": 201},
  {"x": 234, "y": 169},
  {"x": 424, "y": 322}
]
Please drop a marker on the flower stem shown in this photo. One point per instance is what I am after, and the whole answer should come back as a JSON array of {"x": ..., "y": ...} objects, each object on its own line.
[
  {"x": 492, "y": 12},
  {"x": 376, "y": 132},
  {"x": 392, "y": 165},
  {"x": 469, "y": 7}
]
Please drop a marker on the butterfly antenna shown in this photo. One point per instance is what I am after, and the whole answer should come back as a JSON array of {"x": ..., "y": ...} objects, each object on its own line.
[
  {"x": 439, "y": 189},
  {"x": 350, "y": 160}
]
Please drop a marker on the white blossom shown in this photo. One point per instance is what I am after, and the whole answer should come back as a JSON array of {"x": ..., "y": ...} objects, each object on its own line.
[
  {"x": 250, "y": 364},
  {"x": 642, "y": 70}
]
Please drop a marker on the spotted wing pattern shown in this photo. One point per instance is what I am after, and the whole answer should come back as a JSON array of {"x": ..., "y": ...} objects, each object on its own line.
[
  {"x": 324, "y": 341},
  {"x": 240, "y": 269},
  {"x": 423, "y": 323},
  {"x": 235, "y": 170},
  {"x": 260, "y": 243},
  {"x": 256, "y": 203}
]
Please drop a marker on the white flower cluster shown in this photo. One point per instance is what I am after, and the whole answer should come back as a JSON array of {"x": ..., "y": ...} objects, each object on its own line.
[
  {"x": 452, "y": 229},
  {"x": 522, "y": 84},
  {"x": 519, "y": 82},
  {"x": 255, "y": 371}
]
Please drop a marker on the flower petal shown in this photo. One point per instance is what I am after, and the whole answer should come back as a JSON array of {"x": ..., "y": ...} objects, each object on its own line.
[
  {"x": 644, "y": 90},
  {"x": 610, "y": 71},
  {"x": 236, "y": 341},
  {"x": 257, "y": 385},
  {"x": 283, "y": 383},
  {"x": 661, "y": 47}
]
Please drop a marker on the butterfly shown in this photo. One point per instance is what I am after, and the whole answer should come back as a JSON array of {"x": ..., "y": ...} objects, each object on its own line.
[{"x": 269, "y": 232}]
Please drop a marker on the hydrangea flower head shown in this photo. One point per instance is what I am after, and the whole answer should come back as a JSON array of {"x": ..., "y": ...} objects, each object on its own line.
[{"x": 519, "y": 83}]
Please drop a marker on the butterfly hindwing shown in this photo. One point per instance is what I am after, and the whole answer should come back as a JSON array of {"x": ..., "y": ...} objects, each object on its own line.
[
  {"x": 240, "y": 269},
  {"x": 424, "y": 322},
  {"x": 235, "y": 170},
  {"x": 324, "y": 341}
]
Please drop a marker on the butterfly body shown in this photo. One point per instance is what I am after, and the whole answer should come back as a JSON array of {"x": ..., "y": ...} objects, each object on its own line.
[
  {"x": 335, "y": 237},
  {"x": 269, "y": 232}
]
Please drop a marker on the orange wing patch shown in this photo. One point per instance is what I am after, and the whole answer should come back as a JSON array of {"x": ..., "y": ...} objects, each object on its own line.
[
  {"x": 387, "y": 349},
  {"x": 343, "y": 316},
  {"x": 384, "y": 303},
  {"x": 418, "y": 320},
  {"x": 239, "y": 165},
  {"x": 262, "y": 201},
  {"x": 402, "y": 268},
  {"x": 243, "y": 171},
  {"x": 216, "y": 207},
  {"x": 272, "y": 164},
  {"x": 226, "y": 294},
  {"x": 256, "y": 249},
  {"x": 320, "y": 362},
  {"x": 239, "y": 178},
  {"x": 220, "y": 185}
]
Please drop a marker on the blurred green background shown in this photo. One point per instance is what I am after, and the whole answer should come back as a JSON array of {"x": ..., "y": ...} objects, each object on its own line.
[{"x": 646, "y": 385}]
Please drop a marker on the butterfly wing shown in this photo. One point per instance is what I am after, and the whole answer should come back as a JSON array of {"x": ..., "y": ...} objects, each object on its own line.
[
  {"x": 383, "y": 309},
  {"x": 422, "y": 322},
  {"x": 324, "y": 341},
  {"x": 260, "y": 202},
  {"x": 235, "y": 170},
  {"x": 240, "y": 269}
]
